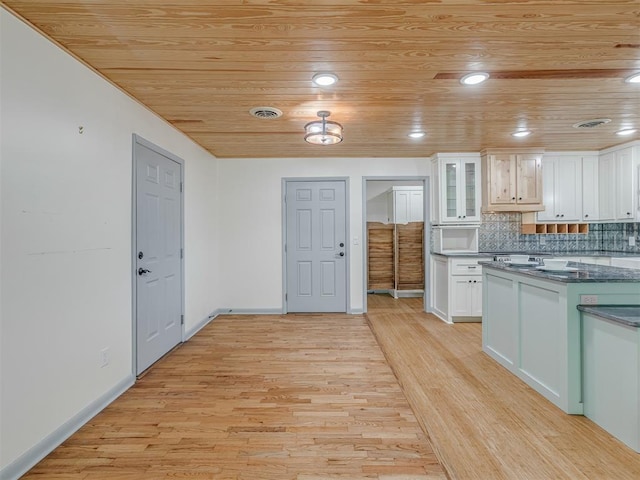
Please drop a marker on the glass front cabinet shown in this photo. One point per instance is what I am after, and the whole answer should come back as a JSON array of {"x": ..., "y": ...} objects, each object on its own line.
[{"x": 457, "y": 194}]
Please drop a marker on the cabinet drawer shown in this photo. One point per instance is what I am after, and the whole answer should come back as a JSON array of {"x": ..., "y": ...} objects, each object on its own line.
[{"x": 466, "y": 266}]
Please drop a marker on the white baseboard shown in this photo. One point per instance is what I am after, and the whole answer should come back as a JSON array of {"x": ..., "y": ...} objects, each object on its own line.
[
  {"x": 251, "y": 311},
  {"x": 201, "y": 324},
  {"x": 31, "y": 457}
]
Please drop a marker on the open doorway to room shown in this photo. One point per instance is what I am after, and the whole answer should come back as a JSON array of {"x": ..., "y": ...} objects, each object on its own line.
[{"x": 396, "y": 241}]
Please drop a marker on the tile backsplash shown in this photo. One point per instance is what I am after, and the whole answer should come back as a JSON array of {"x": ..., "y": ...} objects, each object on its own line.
[{"x": 500, "y": 232}]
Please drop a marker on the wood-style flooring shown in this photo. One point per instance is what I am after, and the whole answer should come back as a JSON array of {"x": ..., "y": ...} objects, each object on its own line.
[
  {"x": 313, "y": 397},
  {"x": 305, "y": 397},
  {"x": 483, "y": 422}
]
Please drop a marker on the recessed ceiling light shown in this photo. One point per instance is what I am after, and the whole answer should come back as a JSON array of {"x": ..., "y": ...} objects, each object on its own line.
[
  {"x": 474, "y": 78},
  {"x": 521, "y": 133},
  {"x": 324, "y": 79},
  {"x": 635, "y": 78},
  {"x": 626, "y": 131},
  {"x": 416, "y": 134}
]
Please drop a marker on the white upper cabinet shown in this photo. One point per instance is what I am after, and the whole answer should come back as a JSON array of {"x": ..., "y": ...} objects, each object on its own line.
[
  {"x": 618, "y": 173},
  {"x": 590, "y": 189},
  {"x": 457, "y": 192},
  {"x": 562, "y": 188},
  {"x": 405, "y": 204}
]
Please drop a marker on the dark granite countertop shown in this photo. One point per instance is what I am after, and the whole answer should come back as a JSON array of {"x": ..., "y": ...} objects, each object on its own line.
[
  {"x": 576, "y": 273},
  {"x": 582, "y": 253},
  {"x": 624, "y": 314}
]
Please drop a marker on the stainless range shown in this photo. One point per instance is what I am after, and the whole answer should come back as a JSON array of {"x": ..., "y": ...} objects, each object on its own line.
[{"x": 505, "y": 257}]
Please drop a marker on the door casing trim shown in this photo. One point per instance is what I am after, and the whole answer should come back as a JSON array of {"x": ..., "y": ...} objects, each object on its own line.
[
  {"x": 285, "y": 181},
  {"x": 138, "y": 140},
  {"x": 426, "y": 182}
]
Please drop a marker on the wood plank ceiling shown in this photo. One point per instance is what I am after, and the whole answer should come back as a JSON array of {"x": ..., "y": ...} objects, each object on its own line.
[{"x": 203, "y": 64}]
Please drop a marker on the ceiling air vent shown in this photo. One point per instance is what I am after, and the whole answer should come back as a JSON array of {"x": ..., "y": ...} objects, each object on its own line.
[
  {"x": 596, "y": 122},
  {"x": 265, "y": 112}
]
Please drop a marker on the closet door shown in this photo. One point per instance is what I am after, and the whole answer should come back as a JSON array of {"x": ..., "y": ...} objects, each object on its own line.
[
  {"x": 409, "y": 256},
  {"x": 380, "y": 255}
]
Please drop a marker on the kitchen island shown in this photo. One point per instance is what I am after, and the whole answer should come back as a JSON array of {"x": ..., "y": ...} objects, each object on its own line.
[
  {"x": 531, "y": 324},
  {"x": 611, "y": 369}
]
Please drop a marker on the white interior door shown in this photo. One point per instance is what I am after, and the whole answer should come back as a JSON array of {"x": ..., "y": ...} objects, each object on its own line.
[
  {"x": 158, "y": 269},
  {"x": 316, "y": 246}
]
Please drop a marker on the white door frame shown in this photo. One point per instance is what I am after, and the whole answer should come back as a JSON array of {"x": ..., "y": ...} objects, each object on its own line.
[
  {"x": 427, "y": 235},
  {"x": 138, "y": 140},
  {"x": 285, "y": 181}
]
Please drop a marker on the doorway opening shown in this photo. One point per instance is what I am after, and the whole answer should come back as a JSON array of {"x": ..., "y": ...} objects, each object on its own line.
[{"x": 396, "y": 240}]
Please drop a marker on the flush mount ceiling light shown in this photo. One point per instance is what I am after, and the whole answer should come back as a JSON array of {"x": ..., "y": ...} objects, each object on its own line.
[
  {"x": 323, "y": 132},
  {"x": 324, "y": 79},
  {"x": 626, "y": 131},
  {"x": 635, "y": 78},
  {"x": 474, "y": 78},
  {"x": 521, "y": 133},
  {"x": 417, "y": 134}
]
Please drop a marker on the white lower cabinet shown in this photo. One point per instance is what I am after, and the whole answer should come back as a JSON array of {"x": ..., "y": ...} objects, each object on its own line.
[
  {"x": 457, "y": 288},
  {"x": 466, "y": 296}
]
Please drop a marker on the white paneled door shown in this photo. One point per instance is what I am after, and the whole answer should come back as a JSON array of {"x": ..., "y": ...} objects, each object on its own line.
[
  {"x": 316, "y": 246},
  {"x": 158, "y": 266}
]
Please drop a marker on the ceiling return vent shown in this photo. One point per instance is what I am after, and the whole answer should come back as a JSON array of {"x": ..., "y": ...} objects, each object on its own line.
[
  {"x": 265, "y": 112},
  {"x": 596, "y": 122}
]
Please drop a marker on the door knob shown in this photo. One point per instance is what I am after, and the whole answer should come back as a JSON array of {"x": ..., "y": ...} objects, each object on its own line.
[
  {"x": 142, "y": 271},
  {"x": 341, "y": 254}
]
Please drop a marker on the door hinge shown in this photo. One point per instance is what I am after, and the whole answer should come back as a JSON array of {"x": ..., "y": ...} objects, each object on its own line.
[
  {"x": 286, "y": 297},
  {"x": 180, "y": 187},
  {"x": 181, "y": 253},
  {"x": 181, "y": 319},
  {"x": 285, "y": 248}
]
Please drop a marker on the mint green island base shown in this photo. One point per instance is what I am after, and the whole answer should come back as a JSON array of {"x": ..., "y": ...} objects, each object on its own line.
[{"x": 531, "y": 324}]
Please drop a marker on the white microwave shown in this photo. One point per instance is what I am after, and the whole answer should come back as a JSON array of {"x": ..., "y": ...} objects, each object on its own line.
[{"x": 455, "y": 238}]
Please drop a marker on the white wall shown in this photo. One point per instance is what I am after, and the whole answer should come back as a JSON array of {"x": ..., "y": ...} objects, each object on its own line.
[
  {"x": 251, "y": 219},
  {"x": 66, "y": 235}
]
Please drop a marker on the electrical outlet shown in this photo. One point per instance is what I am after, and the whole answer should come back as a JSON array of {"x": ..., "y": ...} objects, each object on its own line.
[
  {"x": 104, "y": 357},
  {"x": 589, "y": 299},
  {"x": 632, "y": 241}
]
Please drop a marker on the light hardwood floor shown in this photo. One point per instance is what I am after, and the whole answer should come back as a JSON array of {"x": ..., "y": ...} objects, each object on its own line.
[
  {"x": 483, "y": 422},
  {"x": 311, "y": 397},
  {"x": 303, "y": 397}
]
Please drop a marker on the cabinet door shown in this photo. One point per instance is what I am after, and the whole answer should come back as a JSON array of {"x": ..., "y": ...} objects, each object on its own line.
[
  {"x": 568, "y": 188},
  {"x": 466, "y": 296},
  {"x": 529, "y": 179},
  {"x": 416, "y": 206},
  {"x": 502, "y": 178},
  {"x": 450, "y": 190},
  {"x": 401, "y": 207},
  {"x": 589, "y": 189},
  {"x": 624, "y": 184},
  {"x": 606, "y": 186},
  {"x": 476, "y": 297},
  {"x": 470, "y": 190},
  {"x": 549, "y": 166}
]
